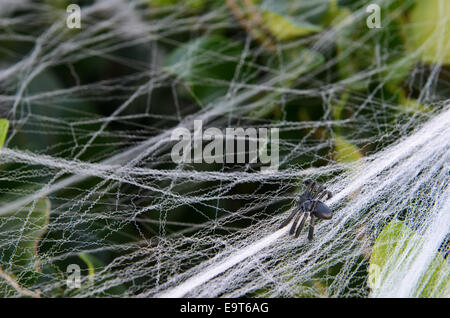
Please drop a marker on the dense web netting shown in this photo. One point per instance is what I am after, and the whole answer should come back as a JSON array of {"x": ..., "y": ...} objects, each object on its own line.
[{"x": 87, "y": 178}]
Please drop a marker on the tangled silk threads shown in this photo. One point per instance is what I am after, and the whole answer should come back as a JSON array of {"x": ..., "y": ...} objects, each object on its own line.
[{"x": 97, "y": 186}]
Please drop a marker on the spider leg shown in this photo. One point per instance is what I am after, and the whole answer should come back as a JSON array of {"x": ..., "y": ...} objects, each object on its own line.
[
  {"x": 311, "y": 228},
  {"x": 302, "y": 223},
  {"x": 319, "y": 191},
  {"x": 286, "y": 222},
  {"x": 323, "y": 194},
  {"x": 294, "y": 225},
  {"x": 310, "y": 184}
]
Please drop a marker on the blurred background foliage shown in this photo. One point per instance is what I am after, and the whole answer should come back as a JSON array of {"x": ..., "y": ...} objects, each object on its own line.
[{"x": 282, "y": 33}]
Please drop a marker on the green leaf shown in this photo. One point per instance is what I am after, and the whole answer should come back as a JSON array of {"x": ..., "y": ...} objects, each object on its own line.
[
  {"x": 429, "y": 31},
  {"x": 398, "y": 70},
  {"x": 300, "y": 61},
  {"x": 345, "y": 151},
  {"x": 355, "y": 59},
  {"x": 94, "y": 265},
  {"x": 4, "y": 125},
  {"x": 339, "y": 107},
  {"x": 191, "y": 4},
  {"x": 91, "y": 262},
  {"x": 348, "y": 64},
  {"x": 435, "y": 282},
  {"x": 284, "y": 29},
  {"x": 207, "y": 65},
  {"x": 409, "y": 105},
  {"x": 195, "y": 5},
  {"x": 23, "y": 230},
  {"x": 334, "y": 14},
  {"x": 162, "y": 3},
  {"x": 390, "y": 250},
  {"x": 20, "y": 234},
  {"x": 386, "y": 243}
]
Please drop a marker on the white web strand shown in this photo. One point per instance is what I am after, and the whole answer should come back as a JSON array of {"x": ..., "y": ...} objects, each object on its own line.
[
  {"x": 99, "y": 150},
  {"x": 217, "y": 269},
  {"x": 431, "y": 136}
]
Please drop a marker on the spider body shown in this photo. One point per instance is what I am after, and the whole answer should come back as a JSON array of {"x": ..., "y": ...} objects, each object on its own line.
[
  {"x": 309, "y": 205},
  {"x": 321, "y": 211}
]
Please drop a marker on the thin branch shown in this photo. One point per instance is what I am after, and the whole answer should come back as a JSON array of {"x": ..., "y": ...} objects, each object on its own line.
[{"x": 14, "y": 284}]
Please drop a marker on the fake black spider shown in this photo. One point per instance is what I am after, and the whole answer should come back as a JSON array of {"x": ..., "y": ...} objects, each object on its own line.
[{"x": 309, "y": 205}]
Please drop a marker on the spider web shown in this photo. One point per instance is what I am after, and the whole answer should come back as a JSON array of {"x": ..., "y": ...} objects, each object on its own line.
[{"x": 98, "y": 148}]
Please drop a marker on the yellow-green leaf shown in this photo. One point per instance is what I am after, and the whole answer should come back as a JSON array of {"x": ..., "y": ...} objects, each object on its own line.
[
  {"x": 91, "y": 262},
  {"x": 390, "y": 249},
  {"x": 436, "y": 280},
  {"x": 4, "y": 125},
  {"x": 339, "y": 106},
  {"x": 386, "y": 243},
  {"x": 430, "y": 31},
  {"x": 162, "y": 3},
  {"x": 94, "y": 265},
  {"x": 191, "y": 4},
  {"x": 335, "y": 14},
  {"x": 409, "y": 105},
  {"x": 283, "y": 29},
  {"x": 345, "y": 151}
]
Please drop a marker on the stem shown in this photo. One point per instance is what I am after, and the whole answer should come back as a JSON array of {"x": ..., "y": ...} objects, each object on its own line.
[{"x": 14, "y": 284}]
